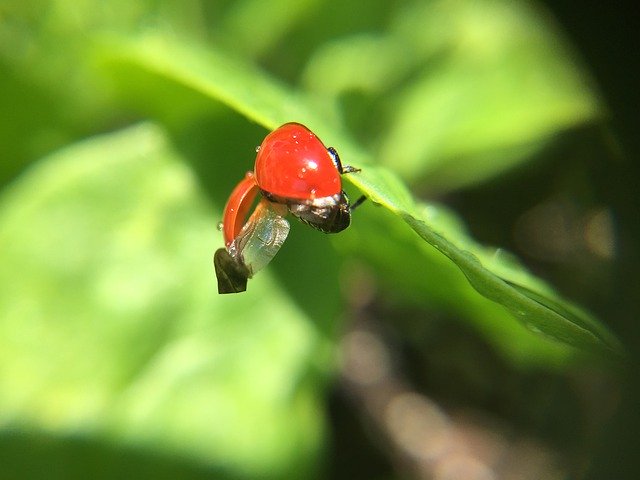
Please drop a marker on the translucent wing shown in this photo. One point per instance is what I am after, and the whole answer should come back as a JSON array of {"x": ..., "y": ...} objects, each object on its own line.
[
  {"x": 253, "y": 248},
  {"x": 261, "y": 237}
]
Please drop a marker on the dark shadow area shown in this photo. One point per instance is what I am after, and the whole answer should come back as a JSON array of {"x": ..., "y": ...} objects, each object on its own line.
[
  {"x": 606, "y": 35},
  {"x": 596, "y": 166},
  {"x": 447, "y": 363},
  {"x": 355, "y": 449}
]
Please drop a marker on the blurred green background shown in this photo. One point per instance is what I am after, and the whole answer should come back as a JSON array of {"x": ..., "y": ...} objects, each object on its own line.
[{"x": 124, "y": 127}]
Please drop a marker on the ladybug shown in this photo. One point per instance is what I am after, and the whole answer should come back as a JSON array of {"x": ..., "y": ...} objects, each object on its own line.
[
  {"x": 294, "y": 168},
  {"x": 294, "y": 172}
]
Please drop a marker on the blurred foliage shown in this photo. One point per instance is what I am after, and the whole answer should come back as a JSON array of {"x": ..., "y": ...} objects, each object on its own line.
[{"x": 111, "y": 330}]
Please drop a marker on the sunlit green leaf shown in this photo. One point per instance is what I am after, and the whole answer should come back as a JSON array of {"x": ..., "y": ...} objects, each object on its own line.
[
  {"x": 258, "y": 97},
  {"x": 111, "y": 326},
  {"x": 500, "y": 83},
  {"x": 466, "y": 89},
  {"x": 253, "y": 27},
  {"x": 211, "y": 73},
  {"x": 493, "y": 273},
  {"x": 413, "y": 272},
  {"x": 118, "y": 358}
]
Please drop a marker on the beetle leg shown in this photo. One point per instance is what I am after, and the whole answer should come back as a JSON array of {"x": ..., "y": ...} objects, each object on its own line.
[{"x": 338, "y": 163}]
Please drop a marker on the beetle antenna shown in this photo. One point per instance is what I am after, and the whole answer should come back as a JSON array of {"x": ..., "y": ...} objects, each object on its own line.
[{"x": 357, "y": 203}]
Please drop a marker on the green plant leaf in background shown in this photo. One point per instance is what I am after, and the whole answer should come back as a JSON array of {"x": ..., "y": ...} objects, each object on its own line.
[
  {"x": 470, "y": 89},
  {"x": 111, "y": 327},
  {"x": 412, "y": 272},
  {"x": 111, "y": 330},
  {"x": 492, "y": 276},
  {"x": 495, "y": 274}
]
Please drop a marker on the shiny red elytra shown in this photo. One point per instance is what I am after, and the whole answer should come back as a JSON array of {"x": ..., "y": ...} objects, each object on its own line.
[
  {"x": 293, "y": 163},
  {"x": 237, "y": 208},
  {"x": 294, "y": 172},
  {"x": 293, "y": 167}
]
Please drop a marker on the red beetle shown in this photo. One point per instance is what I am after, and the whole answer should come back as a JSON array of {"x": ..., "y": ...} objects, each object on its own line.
[
  {"x": 294, "y": 171},
  {"x": 294, "y": 168}
]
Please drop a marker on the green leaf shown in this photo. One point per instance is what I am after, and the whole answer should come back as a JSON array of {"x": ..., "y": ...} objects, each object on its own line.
[
  {"x": 492, "y": 272},
  {"x": 261, "y": 99},
  {"x": 209, "y": 72},
  {"x": 111, "y": 326},
  {"x": 241, "y": 32},
  {"x": 495, "y": 87},
  {"x": 539, "y": 310},
  {"x": 458, "y": 91},
  {"x": 412, "y": 272}
]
